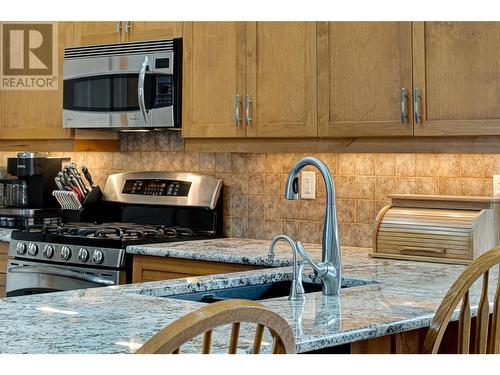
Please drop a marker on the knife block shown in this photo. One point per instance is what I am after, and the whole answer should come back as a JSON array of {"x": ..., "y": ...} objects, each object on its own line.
[{"x": 89, "y": 210}]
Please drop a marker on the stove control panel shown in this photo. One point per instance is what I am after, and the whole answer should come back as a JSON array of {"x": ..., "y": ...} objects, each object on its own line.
[{"x": 159, "y": 187}]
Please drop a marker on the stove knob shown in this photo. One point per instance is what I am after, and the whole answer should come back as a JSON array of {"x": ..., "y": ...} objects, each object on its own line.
[
  {"x": 83, "y": 254},
  {"x": 65, "y": 252},
  {"x": 48, "y": 251},
  {"x": 20, "y": 248},
  {"x": 97, "y": 257},
  {"x": 32, "y": 249}
]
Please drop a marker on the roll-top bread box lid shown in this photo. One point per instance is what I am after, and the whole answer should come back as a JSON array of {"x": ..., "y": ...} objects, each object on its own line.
[{"x": 449, "y": 229}]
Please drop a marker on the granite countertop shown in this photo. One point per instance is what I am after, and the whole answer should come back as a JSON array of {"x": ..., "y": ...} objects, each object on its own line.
[
  {"x": 403, "y": 295},
  {"x": 5, "y": 234}
]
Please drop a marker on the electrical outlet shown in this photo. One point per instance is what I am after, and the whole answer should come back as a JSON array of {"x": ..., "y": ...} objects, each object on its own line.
[
  {"x": 496, "y": 185},
  {"x": 308, "y": 185}
]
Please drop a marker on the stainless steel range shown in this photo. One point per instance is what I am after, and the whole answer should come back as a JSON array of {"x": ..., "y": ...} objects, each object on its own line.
[{"x": 138, "y": 208}]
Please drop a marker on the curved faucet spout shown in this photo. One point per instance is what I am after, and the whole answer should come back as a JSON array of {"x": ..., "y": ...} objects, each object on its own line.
[{"x": 331, "y": 245}]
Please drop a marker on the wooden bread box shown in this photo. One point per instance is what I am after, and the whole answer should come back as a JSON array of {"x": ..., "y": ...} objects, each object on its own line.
[{"x": 436, "y": 228}]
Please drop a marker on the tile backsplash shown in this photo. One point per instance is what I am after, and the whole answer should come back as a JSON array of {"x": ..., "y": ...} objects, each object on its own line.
[{"x": 254, "y": 206}]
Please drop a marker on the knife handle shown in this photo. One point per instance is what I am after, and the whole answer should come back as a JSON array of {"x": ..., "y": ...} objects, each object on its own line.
[{"x": 87, "y": 175}]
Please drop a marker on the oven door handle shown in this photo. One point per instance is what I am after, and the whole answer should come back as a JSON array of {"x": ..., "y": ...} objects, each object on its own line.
[
  {"x": 47, "y": 270},
  {"x": 140, "y": 89}
]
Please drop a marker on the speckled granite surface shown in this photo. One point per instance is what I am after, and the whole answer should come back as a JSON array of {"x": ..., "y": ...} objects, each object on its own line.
[
  {"x": 5, "y": 234},
  {"x": 118, "y": 319}
]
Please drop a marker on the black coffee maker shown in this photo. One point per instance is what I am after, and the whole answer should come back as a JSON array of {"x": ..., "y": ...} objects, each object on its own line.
[{"x": 27, "y": 199}]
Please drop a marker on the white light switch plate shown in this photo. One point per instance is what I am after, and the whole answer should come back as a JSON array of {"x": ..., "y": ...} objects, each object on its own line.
[
  {"x": 308, "y": 185},
  {"x": 496, "y": 185}
]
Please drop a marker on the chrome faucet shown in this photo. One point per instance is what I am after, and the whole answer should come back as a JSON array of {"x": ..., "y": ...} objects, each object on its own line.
[
  {"x": 330, "y": 268},
  {"x": 297, "y": 289}
]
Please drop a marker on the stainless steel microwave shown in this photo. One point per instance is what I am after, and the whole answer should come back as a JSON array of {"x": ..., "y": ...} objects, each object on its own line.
[{"x": 123, "y": 86}]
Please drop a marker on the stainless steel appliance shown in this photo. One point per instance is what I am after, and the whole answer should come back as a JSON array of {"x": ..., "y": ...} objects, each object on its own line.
[
  {"x": 134, "y": 85},
  {"x": 26, "y": 199},
  {"x": 139, "y": 208}
]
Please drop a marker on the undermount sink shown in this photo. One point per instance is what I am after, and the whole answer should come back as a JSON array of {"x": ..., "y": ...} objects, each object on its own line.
[{"x": 258, "y": 291}]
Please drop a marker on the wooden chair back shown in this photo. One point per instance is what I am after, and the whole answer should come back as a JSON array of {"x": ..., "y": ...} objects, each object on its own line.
[
  {"x": 486, "y": 338},
  {"x": 206, "y": 319}
]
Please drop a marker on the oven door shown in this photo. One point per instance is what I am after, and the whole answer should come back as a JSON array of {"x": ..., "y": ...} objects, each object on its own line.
[
  {"x": 117, "y": 92},
  {"x": 25, "y": 277}
]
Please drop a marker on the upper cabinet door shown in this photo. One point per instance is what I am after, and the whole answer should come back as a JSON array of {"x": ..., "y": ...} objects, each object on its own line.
[
  {"x": 363, "y": 68},
  {"x": 281, "y": 79},
  {"x": 456, "y": 70},
  {"x": 36, "y": 114},
  {"x": 214, "y": 74},
  {"x": 152, "y": 30},
  {"x": 98, "y": 32}
]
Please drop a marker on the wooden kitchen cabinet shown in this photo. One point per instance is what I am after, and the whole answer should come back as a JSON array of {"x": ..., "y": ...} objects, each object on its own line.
[
  {"x": 36, "y": 114},
  {"x": 4, "y": 248},
  {"x": 151, "y": 268},
  {"x": 456, "y": 71},
  {"x": 153, "y": 30},
  {"x": 214, "y": 74},
  {"x": 281, "y": 79},
  {"x": 98, "y": 33},
  {"x": 362, "y": 69}
]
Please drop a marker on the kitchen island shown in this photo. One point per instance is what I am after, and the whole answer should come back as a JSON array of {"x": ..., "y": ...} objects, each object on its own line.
[{"x": 381, "y": 298}]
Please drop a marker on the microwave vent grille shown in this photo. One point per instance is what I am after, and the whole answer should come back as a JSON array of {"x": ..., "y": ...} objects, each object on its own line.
[{"x": 118, "y": 49}]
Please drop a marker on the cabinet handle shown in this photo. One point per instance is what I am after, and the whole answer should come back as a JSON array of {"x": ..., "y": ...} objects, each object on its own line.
[
  {"x": 238, "y": 104},
  {"x": 403, "y": 98},
  {"x": 422, "y": 249},
  {"x": 118, "y": 26},
  {"x": 416, "y": 105},
  {"x": 248, "y": 119},
  {"x": 127, "y": 26}
]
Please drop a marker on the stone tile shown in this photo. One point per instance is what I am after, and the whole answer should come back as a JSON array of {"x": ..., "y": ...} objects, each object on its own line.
[
  {"x": 311, "y": 231},
  {"x": 346, "y": 164},
  {"x": 346, "y": 187},
  {"x": 272, "y": 208},
  {"x": 363, "y": 235},
  {"x": 239, "y": 205},
  {"x": 346, "y": 210},
  {"x": 472, "y": 186},
  {"x": 347, "y": 234},
  {"x": 148, "y": 141},
  {"x": 384, "y": 186},
  {"x": 471, "y": 165},
  {"x": 256, "y": 184},
  {"x": 405, "y": 185},
  {"x": 449, "y": 186},
  {"x": 98, "y": 160},
  {"x": 256, "y": 163},
  {"x": 171, "y": 161},
  {"x": 488, "y": 187},
  {"x": 427, "y": 165},
  {"x": 405, "y": 165},
  {"x": 151, "y": 160},
  {"x": 129, "y": 161},
  {"x": 192, "y": 162},
  {"x": 291, "y": 228},
  {"x": 256, "y": 207},
  {"x": 239, "y": 163},
  {"x": 207, "y": 162},
  {"x": 365, "y": 211},
  {"x": 239, "y": 226},
  {"x": 312, "y": 209},
  {"x": 272, "y": 185},
  {"x": 272, "y": 228},
  {"x": 223, "y": 162},
  {"x": 273, "y": 163},
  {"x": 290, "y": 209},
  {"x": 491, "y": 165},
  {"x": 426, "y": 185},
  {"x": 239, "y": 184},
  {"x": 365, "y": 164},
  {"x": 385, "y": 164},
  {"x": 449, "y": 165},
  {"x": 256, "y": 229},
  {"x": 379, "y": 204},
  {"x": 365, "y": 187}
]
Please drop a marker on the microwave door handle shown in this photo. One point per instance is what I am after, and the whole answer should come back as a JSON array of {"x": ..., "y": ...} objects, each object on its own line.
[
  {"x": 140, "y": 89},
  {"x": 47, "y": 270}
]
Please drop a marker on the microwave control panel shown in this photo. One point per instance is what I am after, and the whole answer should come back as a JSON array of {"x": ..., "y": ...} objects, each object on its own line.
[
  {"x": 164, "y": 90},
  {"x": 172, "y": 188}
]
